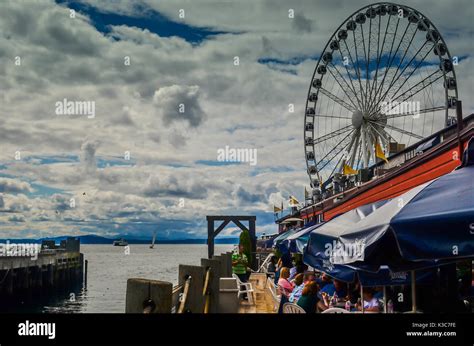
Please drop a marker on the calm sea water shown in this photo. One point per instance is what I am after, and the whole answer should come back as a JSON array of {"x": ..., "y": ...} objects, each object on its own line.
[{"x": 109, "y": 268}]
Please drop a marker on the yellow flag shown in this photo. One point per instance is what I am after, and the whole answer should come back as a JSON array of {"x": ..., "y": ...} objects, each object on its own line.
[
  {"x": 293, "y": 201},
  {"x": 379, "y": 152},
  {"x": 276, "y": 209},
  {"x": 348, "y": 170}
]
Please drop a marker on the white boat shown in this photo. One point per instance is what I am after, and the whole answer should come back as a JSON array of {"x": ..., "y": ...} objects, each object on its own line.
[
  {"x": 153, "y": 240},
  {"x": 120, "y": 242}
]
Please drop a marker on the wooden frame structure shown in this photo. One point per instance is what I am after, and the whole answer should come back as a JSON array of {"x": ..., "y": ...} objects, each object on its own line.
[{"x": 212, "y": 232}]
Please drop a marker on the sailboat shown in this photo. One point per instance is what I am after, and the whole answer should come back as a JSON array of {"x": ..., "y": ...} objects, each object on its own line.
[{"x": 153, "y": 240}]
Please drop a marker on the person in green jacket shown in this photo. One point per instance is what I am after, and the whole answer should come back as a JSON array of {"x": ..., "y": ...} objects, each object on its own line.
[{"x": 240, "y": 263}]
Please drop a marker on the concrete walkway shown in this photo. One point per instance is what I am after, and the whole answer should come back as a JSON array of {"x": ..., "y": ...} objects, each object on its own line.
[{"x": 262, "y": 296}]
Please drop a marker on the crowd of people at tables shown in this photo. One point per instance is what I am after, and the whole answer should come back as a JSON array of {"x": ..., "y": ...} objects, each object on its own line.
[{"x": 317, "y": 293}]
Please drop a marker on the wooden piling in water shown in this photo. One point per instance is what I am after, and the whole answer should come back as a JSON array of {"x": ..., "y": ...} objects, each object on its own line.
[
  {"x": 10, "y": 280},
  {"x": 86, "y": 263},
  {"x": 50, "y": 275}
]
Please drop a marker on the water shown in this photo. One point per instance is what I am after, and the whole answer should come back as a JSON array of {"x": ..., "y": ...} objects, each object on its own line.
[{"x": 109, "y": 268}]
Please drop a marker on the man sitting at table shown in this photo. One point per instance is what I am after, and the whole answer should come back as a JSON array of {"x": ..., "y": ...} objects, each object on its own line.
[
  {"x": 323, "y": 280},
  {"x": 371, "y": 303},
  {"x": 337, "y": 288}
]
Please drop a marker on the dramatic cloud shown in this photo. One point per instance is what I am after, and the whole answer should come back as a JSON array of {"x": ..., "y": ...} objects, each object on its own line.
[
  {"x": 88, "y": 155},
  {"x": 167, "y": 97},
  {"x": 14, "y": 186},
  {"x": 178, "y": 103}
]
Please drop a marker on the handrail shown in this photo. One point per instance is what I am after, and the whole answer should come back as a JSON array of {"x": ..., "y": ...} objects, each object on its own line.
[
  {"x": 206, "y": 282},
  {"x": 175, "y": 294},
  {"x": 184, "y": 296},
  {"x": 177, "y": 288},
  {"x": 267, "y": 259},
  {"x": 205, "y": 291}
]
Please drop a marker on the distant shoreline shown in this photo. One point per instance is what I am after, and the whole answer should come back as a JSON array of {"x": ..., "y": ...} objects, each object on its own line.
[{"x": 93, "y": 239}]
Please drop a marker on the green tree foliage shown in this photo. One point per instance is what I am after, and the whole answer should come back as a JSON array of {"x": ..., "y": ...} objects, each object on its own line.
[{"x": 247, "y": 244}]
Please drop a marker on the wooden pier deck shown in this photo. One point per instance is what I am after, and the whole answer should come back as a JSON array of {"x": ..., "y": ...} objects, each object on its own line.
[
  {"x": 44, "y": 269},
  {"x": 262, "y": 295}
]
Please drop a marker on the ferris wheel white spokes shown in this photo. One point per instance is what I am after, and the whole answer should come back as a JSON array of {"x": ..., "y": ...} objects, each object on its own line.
[{"x": 385, "y": 76}]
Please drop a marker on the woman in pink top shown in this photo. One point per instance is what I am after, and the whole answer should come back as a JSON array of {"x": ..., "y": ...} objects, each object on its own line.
[{"x": 284, "y": 285}]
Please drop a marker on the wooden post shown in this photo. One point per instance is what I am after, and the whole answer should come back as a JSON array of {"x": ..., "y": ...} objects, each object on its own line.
[
  {"x": 139, "y": 291},
  {"x": 50, "y": 275},
  {"x": 215, "y": 267},
  {"x": 413, "y": 292},
  {"x": 86, "y": 262},
  {"x": 229, "y": 263},
  {"x": 210, "y": 238},
  {"x": 253, "y": 239},
  {"x": 10, "y": 280},
  {"x": 26, "y": 278},
  {"x": 224, "y": 265},
  {"x": 195, "y": 300},
  {"x": 39, "y": 276}
]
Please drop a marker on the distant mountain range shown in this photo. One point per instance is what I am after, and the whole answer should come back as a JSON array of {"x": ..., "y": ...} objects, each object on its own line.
[{"x": 95, "y": 239}]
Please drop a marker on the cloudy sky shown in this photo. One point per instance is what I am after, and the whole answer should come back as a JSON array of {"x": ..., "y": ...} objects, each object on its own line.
[{"x": 139, "y": 62}]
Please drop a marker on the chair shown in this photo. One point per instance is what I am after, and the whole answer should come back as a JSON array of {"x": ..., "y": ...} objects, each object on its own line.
[
  {"x": 274, "y": 291},
  {"x": 247, "y": 289},
  {"x": 290, "y": 308},
  {"x": 336, "y": 311}
]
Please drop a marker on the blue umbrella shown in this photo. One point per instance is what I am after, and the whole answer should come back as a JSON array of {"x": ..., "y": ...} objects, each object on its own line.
[
  {"x": 296, "y": 242},
  {"x": 283, "y": 236},
  {"x": 428, "y": 225},
  {"x": 383, "y": 277}
]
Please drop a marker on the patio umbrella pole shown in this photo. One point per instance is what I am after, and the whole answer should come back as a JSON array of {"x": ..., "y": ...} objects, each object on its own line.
[
  {"x": 385, "y": 299},
  {"x": 362, "y": 297},
  {"x": 413, "y": 291}
]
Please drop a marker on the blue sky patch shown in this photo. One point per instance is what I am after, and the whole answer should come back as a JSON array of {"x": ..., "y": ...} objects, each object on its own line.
[
  {"x": 150, "y": 19},
  {"x": 216, "y": 163}
]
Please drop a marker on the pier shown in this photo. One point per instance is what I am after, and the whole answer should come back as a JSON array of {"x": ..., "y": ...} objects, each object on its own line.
[
  {"x": 205, "y": 288},
  {"x": 52, "y": 267}
]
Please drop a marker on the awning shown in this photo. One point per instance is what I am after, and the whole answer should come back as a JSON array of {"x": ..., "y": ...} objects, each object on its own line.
[
  {"x": 297, "y": 241},
  {"x": 383, "y": 277},
  {"x": 428, "y": 144},
  {"x": 291, "y": 219},
  {"x": 428, "y": 225},
  {"x": 283, "y": 236}
]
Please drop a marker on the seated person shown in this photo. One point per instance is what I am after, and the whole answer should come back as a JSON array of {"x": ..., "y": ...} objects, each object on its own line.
[
  {"x": 277, "y": 272},
  {"x": 337, "y": 287},
  {"x": 354, "y": 292},
  {"x": 299, "y": 285},
  {"x": 378, "y": 292},
  {"x": 284, "y": 285},
  {"x": 337, "y": 290},
  {"x": 323, "y": 280},
  {"x": 299, "y": 268},
  {"x": 309, "y": 298},
  {"x": 371, "y": 304},
  {"x": 286, "y": 260},
  {"x": 308, "y": 277},
  {"x": 271, "y": 268}
]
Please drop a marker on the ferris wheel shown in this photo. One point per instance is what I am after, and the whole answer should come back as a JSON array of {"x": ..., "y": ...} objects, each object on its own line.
[{"x": 385, "y": 78}]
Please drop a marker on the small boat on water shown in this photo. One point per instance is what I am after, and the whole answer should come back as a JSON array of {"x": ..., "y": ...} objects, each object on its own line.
[
  {"x": 120, "y": 242},
  {"x": 153, "y": 240}
]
